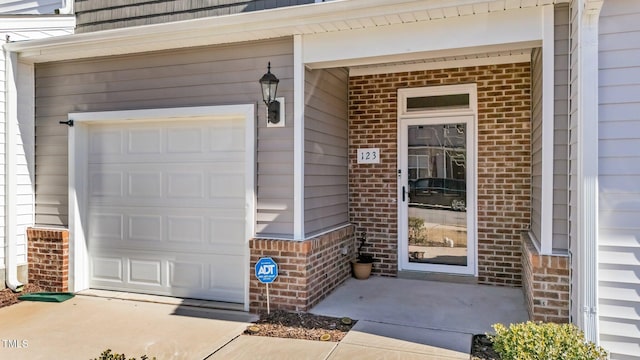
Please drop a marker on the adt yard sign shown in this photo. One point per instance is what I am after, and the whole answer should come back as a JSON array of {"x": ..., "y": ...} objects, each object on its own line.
[{"x": 266, "y": 270}]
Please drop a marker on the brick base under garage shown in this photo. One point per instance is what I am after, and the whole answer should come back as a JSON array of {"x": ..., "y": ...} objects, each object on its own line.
[
  {"x": 308, "y": 270},
  {"x": 48, "y": 254}
]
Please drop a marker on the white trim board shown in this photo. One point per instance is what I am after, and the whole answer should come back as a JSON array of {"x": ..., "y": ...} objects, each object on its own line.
[
  {"x": 457, "y": 36},
  {"x": 298, "y": 139},
  {"x": 78, "y": 192},
  {"x": 548, "y": 114},
  {"x": 36, "y": 22},
  {"x": 437, "y": 64}
]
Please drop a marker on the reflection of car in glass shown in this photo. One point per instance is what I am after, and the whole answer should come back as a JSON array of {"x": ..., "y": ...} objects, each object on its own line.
[{"x": 439, "y": 192}]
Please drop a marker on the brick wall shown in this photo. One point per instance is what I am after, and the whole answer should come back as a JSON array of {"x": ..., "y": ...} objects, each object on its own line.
[
  {"x": 504, "y": 167},
  {"x": 307, "y": 270},
  {"x": 48, "y": 256},
  {"x": 545, "y": 282}
]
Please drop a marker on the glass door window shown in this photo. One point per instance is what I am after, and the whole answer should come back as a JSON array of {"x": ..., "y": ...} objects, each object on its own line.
[{"x": 438, "y": 229}]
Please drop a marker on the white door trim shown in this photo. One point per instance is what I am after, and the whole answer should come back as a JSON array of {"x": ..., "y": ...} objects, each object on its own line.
[
  {"x": 407, "y": 118},
  {"x": 78, "y": 175}
]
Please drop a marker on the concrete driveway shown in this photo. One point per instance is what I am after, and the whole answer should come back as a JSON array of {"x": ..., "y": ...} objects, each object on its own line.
[{"x": 83, "y": 327}]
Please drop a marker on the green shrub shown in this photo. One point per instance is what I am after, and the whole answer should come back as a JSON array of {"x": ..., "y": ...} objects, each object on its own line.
[
  {"x": 544, "y": 341},
  {"x": 108, "y": 355}
]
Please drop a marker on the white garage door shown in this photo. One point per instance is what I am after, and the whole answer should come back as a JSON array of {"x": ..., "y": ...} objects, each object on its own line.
[{"x": 166, "y": 208}]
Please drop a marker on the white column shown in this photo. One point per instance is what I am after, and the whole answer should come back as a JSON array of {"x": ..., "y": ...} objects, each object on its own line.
[
  {"x": 587, "y": 167},
  {"x": 298, "y": 139},
  {"x": 548, "y": 59}
]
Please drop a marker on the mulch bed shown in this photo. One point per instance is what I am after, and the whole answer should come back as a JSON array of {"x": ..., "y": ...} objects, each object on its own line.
[
  {"x": 291, "y": 325},
  {"x": 305, "y": 326},
  {"x": 8, "y": 297},
  {"x": 482, "y": 349}
]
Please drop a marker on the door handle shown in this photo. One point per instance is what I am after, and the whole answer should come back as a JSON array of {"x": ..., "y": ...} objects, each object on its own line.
[{"x": 403, "y": 194}]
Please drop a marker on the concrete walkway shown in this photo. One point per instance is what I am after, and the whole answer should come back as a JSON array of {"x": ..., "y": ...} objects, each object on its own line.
[
  {"x": 397, "y": 319},
  {"x": 441, "y": 315}
]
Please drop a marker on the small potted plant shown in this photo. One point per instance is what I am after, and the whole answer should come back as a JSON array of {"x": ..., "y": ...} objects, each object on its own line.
[{"x": 363, "y": 263}]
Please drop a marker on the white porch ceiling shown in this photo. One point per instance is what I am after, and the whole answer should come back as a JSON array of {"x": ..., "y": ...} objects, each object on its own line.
[{"x": 333, "y": 16}]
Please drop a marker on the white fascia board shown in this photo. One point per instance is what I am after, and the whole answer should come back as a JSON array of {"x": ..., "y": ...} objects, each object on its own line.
[
  {"x": 517, "y": 28},
  {"x": 258, "y": 25},
  {"x": 548, "y": 100},
  {"x": 36, "y": 22}
]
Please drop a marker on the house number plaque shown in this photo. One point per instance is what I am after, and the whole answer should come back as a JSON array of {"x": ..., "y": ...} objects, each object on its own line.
[{"x": 369, "y": 156}]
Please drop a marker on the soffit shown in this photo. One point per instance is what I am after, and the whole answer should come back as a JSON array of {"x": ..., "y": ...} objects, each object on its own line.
[{"x": 333, "y": 16}]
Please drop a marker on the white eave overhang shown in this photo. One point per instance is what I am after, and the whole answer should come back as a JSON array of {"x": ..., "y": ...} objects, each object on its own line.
[
  {"x": 312, "y": 19},
  {"x": 10, "y": 23}
]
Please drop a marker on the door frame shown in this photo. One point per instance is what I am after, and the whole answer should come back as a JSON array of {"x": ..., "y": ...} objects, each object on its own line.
[
  {"x": 78, "y": 172},
  {"x": 407, "y": 118}
]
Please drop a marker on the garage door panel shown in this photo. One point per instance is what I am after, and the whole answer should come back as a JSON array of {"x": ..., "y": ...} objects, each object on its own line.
[
  {"x": 186, "y": 229},
  {"x": 214, "y": 205},
  {"x": 106, "y": 184},
  {"x": 226, "y": 186},
  {"x": 145, "y": 227},
  {"x": 147, "y": 272},
  {"x": 167, "y": 185},
  {"x": 105, "y": 225},
  {"x": 208, "y": 276},
  {"x": 184, "y": 140},
  {"x": 226, "y": 231},
  {"x": 144, "y": 184},
  {"x": 185, "y": 185},
  {"x": 219, "y": 231},
  {"x": 106, "y": 141},
  {"x": 144, "y": 141},
  {"x": 177, "y": 159},
  {"x": 226, "y": 274},
  {"x": 107, "y": 269},
  {"x": 186, "y": 275},
  {"x": 167, "y": 208}
]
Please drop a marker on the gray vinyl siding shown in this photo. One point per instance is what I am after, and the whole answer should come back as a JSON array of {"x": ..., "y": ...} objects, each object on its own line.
[
  {"x": 619, "y": 178},
  {"x": 95, "y": 15},
  {"x": 536, "y": 144},
  {"x": 560, "y": 241},
  {"x": 30, "y": 7},
  {"x": 204, "y": 76},
  {"x": 560, "y": 148},
  {"x": 326, "y": 150}
]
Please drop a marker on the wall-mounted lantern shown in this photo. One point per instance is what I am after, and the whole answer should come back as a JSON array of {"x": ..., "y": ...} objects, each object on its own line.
[{"x": 269, "y": 84}]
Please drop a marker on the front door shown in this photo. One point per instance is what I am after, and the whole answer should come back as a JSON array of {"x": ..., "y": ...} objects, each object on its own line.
[{"x": 436, "y": 195}]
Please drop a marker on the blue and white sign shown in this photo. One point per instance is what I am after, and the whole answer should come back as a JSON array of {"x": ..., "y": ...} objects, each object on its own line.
[{"x": 266, "y": 270}]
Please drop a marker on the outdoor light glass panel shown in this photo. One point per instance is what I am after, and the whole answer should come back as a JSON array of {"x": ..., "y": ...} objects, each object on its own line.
[
  {"x": 269, "y": 90},
  {"x": 269, "y": 84}
]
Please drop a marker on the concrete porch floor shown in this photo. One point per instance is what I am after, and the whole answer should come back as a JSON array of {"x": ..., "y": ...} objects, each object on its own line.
[{"x": 439, "y": 314}]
